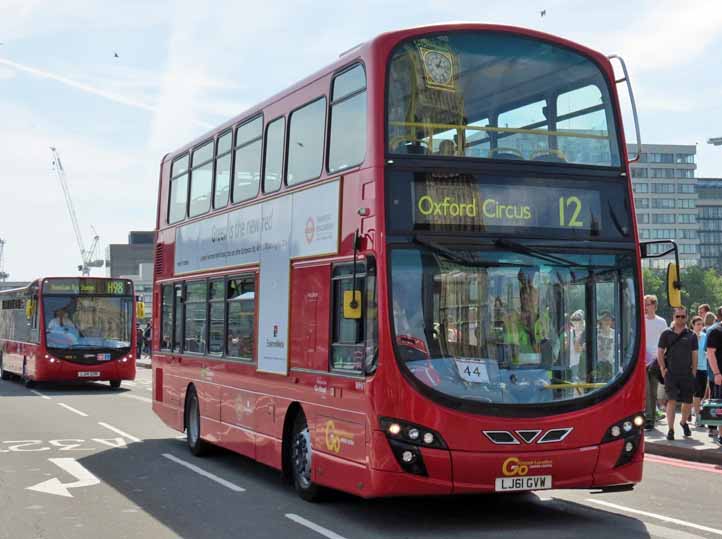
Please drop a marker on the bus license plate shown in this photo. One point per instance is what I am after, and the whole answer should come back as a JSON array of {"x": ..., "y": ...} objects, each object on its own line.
[
  {"x": 532, "y": 482},
  {"x": 88, "y": 374}
]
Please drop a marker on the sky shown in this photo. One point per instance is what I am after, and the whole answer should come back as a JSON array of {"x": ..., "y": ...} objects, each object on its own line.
[{"x": 184, "y": 67}]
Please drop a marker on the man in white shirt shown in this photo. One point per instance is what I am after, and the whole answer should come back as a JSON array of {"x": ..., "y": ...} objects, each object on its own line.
[{"x": 653, "y": 327}]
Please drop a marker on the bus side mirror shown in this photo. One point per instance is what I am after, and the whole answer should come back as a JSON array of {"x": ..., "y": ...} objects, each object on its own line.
[
  {"x": 352, "y": 304},
  {"x": 674, "y": 290}
]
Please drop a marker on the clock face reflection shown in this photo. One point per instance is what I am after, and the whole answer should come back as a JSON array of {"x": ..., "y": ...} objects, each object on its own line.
[{"x": 438, "y": 67}]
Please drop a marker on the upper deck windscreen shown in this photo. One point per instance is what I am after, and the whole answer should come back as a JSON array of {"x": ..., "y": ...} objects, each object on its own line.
[{"x": 498, "y": 96}]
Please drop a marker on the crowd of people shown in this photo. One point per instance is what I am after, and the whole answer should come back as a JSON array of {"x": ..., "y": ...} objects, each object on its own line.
[{"x": 683, "y": 366}]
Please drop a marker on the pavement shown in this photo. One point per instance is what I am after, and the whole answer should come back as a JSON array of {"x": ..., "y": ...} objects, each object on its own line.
[
  {"x": 697, "y": 448},
  {"x": 82, "y": 461},
  {"x": 143, "y": 362}
]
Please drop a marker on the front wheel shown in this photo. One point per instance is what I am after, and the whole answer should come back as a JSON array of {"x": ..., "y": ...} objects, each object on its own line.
[
  {"x": 193, "y": 425},
  {"x": 115, "y": 384},
  {"x": 301, "y": 460}
]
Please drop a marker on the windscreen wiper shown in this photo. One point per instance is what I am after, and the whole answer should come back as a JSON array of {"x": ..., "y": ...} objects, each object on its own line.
[
  {"x": 537, "y": 253},
  {"x": 456, "y": 256}
]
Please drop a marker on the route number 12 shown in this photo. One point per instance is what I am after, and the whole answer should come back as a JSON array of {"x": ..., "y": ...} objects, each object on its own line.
[{"x": 574, "y": 207}]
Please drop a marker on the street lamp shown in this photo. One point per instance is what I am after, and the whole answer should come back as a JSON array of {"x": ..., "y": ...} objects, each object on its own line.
[{"x": 715, "y": 141}]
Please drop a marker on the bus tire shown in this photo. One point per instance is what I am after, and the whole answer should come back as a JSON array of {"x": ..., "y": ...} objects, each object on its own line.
[
  {"x": 115, "y": 384},
  {"x": 301, "y": 461},
  {"x": 4, "y": 375},
  {"x": 193, "y": 424}
]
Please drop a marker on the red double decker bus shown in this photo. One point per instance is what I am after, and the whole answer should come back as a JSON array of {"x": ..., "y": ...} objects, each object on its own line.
[
  {"x": 60, "y": 329},
  {"x": 414, "y": 272}
]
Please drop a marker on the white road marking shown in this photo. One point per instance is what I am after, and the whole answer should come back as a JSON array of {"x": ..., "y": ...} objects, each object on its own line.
[
  {"x": 39, "y": 394},
  {"x": 313, "y": 526},
  {"x": 118, "y": 431},
  {"x": 137, "y": 397},
  {"x": 72, "y": 409},
  {"x": 655, "y": 515},
  {"x": 128, "y": 383},
  {"x": 74, "y": 468},
  {"x": 204, "y": 473}
]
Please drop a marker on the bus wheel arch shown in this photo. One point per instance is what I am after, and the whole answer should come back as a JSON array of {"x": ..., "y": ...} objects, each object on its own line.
[
  {"x": 300, "y": 457},
  {"x": 292, "y": 412},
  {"x": 192, "y": 422}
]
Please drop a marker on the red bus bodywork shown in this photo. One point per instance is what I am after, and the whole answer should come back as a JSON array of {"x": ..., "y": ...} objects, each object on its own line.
[
  {"x": 32, "y": 362},
  {"x": 252, "y": 412}
]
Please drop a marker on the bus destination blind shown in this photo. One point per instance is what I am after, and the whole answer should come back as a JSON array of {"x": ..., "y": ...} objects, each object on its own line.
[
  {"x": 87, "y": 287},
  {"x": 440, "y": 204}
]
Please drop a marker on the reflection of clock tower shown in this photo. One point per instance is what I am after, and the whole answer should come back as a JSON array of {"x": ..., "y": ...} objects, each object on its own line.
[{"x": 436, "y": 99}]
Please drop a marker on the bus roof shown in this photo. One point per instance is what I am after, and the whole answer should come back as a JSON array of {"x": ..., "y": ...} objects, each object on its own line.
[{"x": 385, "y": 42}]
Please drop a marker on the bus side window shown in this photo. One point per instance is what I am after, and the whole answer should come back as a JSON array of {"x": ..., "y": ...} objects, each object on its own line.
[
  {"x": 166, "y": 322},
  {"x": 349, "y": 335},
  {"x": 178, "y": 317},
  {"x": 241, "y": 313}
]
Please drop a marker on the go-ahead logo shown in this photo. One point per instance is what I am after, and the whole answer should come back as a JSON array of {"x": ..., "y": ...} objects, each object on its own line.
[{"x": 514, "y": 466}]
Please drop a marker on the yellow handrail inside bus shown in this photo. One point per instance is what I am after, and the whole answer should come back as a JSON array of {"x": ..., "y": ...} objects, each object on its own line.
[
  {"x": 573, "y": 385},
  {"x": 574, "y": 134}
]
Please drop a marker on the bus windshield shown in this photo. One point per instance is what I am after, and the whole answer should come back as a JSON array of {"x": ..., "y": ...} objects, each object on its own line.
[
  {"x": 498, "y": 96},
  {"x": 88, "y": 322},
  {"x": 512, "y": 324}
]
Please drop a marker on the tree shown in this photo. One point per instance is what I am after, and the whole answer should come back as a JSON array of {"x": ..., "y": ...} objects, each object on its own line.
[{"x": 698, "y": 286}]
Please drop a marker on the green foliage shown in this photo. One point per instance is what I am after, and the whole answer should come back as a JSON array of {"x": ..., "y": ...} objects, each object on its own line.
[{"x": 698, "y": 286}]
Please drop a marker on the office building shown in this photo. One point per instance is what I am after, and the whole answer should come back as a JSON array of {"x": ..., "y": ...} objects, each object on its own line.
[
  {"x": 134, "y": 261},
  {"x": 666, "y": 199},
  {"x": 709, "y": 219}
]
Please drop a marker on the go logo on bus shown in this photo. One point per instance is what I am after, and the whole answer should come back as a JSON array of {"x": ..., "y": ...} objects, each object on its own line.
[
  {"x": 333, "y": 442},
  {"x": 513, "y": 466}
]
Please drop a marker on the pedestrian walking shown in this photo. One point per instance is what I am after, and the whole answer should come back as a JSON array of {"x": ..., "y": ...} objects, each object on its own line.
[
  {"x": 714, "y": 360},
  {"x": 138, "y": 340},
  {"x": 653, "y": 327},
  {"x": 677, "y": 358},
  {"x": 710, "y": 375},
  {"x": 703, "y": 309},
  {"x": 700, "y": 381},
  {"x": 147, "y": 337}
]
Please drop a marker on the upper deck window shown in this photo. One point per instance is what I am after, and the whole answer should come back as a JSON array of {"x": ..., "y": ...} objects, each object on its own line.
[
  {"x": 347, "y": 144},
  {"x": 305, "y": 142},
  {"x": 178, "y": 202},
  {"x": 273, "y": 168},
  {"x": 247, "y": 174},
  {"x": 498, "y": 96},
  {"x": 201, "y": 179},
  {"x": 223, "y": 171}
]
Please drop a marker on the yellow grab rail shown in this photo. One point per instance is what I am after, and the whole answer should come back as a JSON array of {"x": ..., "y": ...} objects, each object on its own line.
[{"x": 574, "y": 134}]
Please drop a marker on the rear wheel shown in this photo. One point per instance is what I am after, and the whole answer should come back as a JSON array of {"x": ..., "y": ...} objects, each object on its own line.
[
  {"x": 115, "y": 384},
  {"x": 301, "y": 461},
  {"x": 193, "y": 424}
]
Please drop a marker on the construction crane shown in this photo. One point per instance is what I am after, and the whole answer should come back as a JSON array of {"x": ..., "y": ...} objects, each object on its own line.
[
  {"x": 86, "y": 255},
  {"x": 3, "y": 275}
]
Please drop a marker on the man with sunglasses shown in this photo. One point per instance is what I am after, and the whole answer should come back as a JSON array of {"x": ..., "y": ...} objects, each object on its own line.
[{"x": 677, "y": 358}]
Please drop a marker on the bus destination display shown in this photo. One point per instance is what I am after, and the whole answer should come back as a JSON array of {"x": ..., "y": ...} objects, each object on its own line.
[
  {"x": 88, "y": 287},
  {"x": 478, "y": 206}
]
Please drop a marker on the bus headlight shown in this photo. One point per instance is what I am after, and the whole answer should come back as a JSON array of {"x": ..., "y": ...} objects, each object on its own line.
[
  {"x": 629, "y": 427},
  {"x": 410, "y": 433}
]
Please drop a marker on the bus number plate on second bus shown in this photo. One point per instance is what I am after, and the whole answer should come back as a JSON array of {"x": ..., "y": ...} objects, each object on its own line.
[
  {"x": 532, "y": 482},
  {"x": 88, "y": 374}
]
